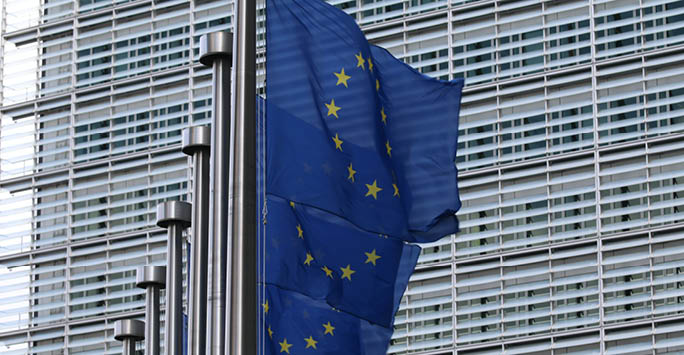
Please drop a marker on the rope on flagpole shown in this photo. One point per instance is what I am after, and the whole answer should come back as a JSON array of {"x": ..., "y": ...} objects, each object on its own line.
[{"x": 261, "y": 160}]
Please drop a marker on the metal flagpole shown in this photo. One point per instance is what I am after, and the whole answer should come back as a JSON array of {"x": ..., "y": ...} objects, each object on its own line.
[
  {"x": 196, "y": 142},
  {"x": 174, "y": 216},
  {"x": 152, "y": 279},
  {"x": 129, "y": 331},
  {"x": 242, "y": 330},
  {"x": 216, "y": 50}
]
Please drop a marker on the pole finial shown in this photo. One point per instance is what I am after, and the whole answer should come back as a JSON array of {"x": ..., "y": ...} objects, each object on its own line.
[
  {"x": 216, "y": 44},
  {"x": 129, "y": 329},
  {"x": 196, "y": 138},
  {"x": 150, "y": 275},
  {"x": 174, "y": 212}
]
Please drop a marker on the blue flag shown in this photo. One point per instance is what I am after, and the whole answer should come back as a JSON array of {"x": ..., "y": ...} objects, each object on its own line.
[{"x": 360, "y": 152}]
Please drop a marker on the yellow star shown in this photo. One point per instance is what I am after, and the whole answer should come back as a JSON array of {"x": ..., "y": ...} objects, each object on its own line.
[
  {"x": 300, "y": 232},
  {"x": 284, "y": 346},
  {"x": 328, "y": 328},
  {"x": 351, "y": 172},
  {"x": 377, "y": 85},
  {"x": 310, "y": 342},
  {"x": 292, "y": 204},
  {"x": 338, "y": 142},
  {"x": 373, "y": 189},
  {"x": 342, "y": 78},
  {"x": 370, "y": 64},
  {"x": 389, "y": 149},
  {"x": 384, "y": 116},
  {"x": 308, "y": 260},
  {"x": 270, "y": 332},
  {"x": 396, "y": 190},
  {"x": 327, "y": 271},
  {"x": 266, "y": 307},
  {"x": 372, "y": 257},
  {"x": 347, "y": 272},
  {"x": 360, "y": 61},
  {"x": 332, "y": 109}
]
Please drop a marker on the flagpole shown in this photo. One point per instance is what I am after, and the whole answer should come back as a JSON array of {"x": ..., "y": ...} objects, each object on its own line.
[
  {"x": 216, "y": 50},
  {"x": 197, "y": 143},
  {"x": 242, "y": 329},
  {"x": 174, "y": 216}
]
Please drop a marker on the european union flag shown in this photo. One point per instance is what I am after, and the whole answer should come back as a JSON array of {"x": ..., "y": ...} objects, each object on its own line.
[{"x": 360, "y": 152}]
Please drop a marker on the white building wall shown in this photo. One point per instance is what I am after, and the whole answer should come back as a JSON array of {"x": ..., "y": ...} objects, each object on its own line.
[{"x": 569, "y": 157}]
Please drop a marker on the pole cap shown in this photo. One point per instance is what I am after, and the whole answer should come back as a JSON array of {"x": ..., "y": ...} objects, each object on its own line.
[
  {"x": 214, "y": 45},
  {"x": 150, "y": 275},
  {"x": 129, "y": 329},
  {"x": 174, "y": 212},
  {"x": 196, "y": 138}
]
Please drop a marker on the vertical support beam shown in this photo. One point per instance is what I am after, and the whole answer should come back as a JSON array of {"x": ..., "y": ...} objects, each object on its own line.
[
  {"x": 196, "y": 143},
  {"x": 242, "y": 330},
  {"x": 216, "y": 50},
  {"x": 174, "y": 216}
]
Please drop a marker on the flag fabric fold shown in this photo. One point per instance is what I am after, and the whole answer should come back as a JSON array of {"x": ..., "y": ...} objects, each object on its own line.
[
  {"x": 327, "y": 258},
  {"x": 359, "y": 161},
  {"x": 305, "y": 325}
]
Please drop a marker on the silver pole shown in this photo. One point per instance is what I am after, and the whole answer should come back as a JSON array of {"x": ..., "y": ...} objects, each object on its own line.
[
  {"x": 216, "y": 50},
  {"x": 174, "y": 216},
  {"x": 196, "y": 142},
  {"x": 128, "y": 347},
  {"x": 242, "y": 333},
  {"x": 152, "y": 279},
  {"x": 152, "y": 303},
  {"x": 129, "y": 331}
]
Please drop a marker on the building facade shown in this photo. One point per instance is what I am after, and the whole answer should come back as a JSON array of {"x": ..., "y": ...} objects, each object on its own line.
[{"x": 571, "y": 152}]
